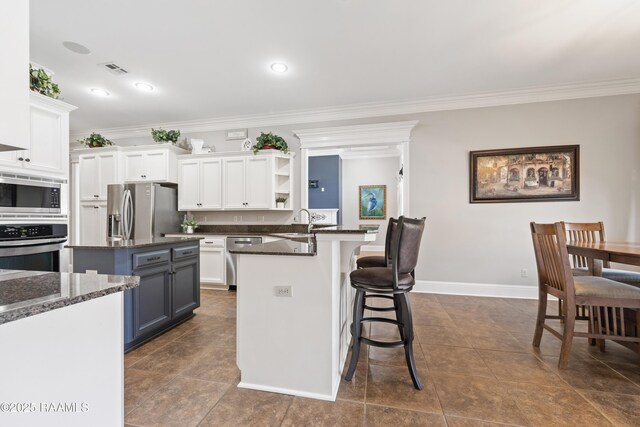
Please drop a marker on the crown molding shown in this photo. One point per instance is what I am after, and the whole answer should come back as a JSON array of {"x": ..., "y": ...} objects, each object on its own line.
[
  {"x": 370, "y": 134},
  {"x": 381, "y": 109}
]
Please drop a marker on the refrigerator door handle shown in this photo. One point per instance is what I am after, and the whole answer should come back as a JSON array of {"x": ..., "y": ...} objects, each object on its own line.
[{"x": 127, "y": 211}]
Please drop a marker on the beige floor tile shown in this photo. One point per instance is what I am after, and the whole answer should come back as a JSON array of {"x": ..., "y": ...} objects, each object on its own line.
[
  {"x": 456, "y": 360},
  {"x": 139, "y": 385},
  {"x": 242, "y": 407},
  {"x": 440, "y": 335},
  {"x": 182, "y": 402},
  {"x": 392, "y": 386},
  {"x": 621, "y": 409},
  {"x": 520, "y": 367},
  {"x": 311, "y": 413},
  {"x": 355, "y": 389},
  {"x": 552, "y": 406},
  {"x": 172, "y": 358},
  {"x": 216, "y": 364},
  {"x": 383, "y": 416},
  {"x": 470, "y": 422},
  {"x": 477, "y": 397}
]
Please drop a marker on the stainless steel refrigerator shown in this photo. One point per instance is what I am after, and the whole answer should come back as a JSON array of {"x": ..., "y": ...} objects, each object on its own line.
[{"x": 141, "y": 211}]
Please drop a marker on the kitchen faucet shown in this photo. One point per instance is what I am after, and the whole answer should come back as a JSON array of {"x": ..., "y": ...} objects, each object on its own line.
[{"x": 310, "y": 222}]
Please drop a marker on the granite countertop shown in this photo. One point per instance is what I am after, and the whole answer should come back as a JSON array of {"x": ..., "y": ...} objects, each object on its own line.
[
  {"x": 137, "y": 243},
  {"x": 27, "y": 293},
  {"x": 354, "y": 229},
  {"x": 293, "y": 247}
]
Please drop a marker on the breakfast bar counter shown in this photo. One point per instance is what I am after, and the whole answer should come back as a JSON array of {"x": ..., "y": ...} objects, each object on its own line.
[{"x": 293, "y": 309}]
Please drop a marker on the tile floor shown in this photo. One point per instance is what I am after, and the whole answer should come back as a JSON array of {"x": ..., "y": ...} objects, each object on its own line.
[{"x": 474, "y": 357}]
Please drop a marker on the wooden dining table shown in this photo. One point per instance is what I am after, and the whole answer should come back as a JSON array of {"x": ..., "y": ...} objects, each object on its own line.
[{"x": 619, "y": 252}]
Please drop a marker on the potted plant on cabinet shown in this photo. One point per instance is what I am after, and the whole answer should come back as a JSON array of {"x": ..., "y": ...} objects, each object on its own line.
[
  {"x": 280, "y": 201},
  {"x": 269, "y": 141},
  {"x": 161, "y": 135},
  {"x": 40, "y": 81},
  {"x": 189, "y": 225},
  {"x": 95, "y": 140}
]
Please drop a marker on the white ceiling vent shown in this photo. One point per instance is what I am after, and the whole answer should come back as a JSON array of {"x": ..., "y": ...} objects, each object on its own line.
[{"x": 113, "y": 68}]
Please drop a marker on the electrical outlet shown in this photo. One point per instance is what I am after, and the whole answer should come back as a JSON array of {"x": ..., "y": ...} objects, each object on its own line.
[
  {"x": 282, "y": 291},
  {"x": 524, "y": 273}
]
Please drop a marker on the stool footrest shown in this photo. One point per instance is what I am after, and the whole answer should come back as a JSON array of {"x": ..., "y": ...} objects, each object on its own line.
[
  {"x": 381, "y": 319},
  {"x": 379, "y": 308},
  {"x": 377, "y": 296},
  {"x": 384, "y": 344}
]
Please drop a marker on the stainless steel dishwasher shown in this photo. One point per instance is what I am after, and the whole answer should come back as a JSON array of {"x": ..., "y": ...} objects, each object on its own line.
[{"x": 235, "y": 243}]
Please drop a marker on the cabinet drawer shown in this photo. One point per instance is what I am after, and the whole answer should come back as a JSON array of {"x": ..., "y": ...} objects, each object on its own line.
[
  {"x": 186, "y": 252},
  {"x": 212, "y": 242},
  {"x": 150, "y": 258}
]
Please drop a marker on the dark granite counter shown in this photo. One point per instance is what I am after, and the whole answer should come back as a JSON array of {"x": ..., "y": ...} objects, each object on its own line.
[
  {"x": 350, "y": 229},
  {"x": 293, "y": 247},
  {"x": 138, "y": 243},
  {"x": 27, "y": 293}
]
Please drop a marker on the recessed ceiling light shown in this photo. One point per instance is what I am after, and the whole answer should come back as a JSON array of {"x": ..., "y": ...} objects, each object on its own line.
[
  {"x": 76, "y": 47},
  {"x": 99, "y": 92},
  {"x": 144, "y": 86},
  {"x": 279, "y": 67}
]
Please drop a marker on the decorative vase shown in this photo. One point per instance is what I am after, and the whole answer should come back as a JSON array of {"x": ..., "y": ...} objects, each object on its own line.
[
  {"x": 189, "y": 230},
  {"x": 280, "y": 205}
]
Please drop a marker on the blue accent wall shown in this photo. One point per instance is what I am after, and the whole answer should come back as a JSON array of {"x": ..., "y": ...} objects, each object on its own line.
[{"x": 327, "y": 171}]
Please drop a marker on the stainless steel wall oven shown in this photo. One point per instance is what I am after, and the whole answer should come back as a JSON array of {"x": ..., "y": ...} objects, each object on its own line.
[{"x": 34, "y": 247}]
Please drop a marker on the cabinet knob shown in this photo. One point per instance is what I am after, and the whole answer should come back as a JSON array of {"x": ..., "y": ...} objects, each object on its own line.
[
  {"x": 96, "y": 207},
  {"x": 27, "y": 160},
  {"x": 95, "y": 195},
  {"x": 21, "y": 159}
]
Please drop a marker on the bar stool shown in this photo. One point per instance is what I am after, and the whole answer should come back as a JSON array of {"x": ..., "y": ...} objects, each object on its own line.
[
  {"x": 376, "y": 260},
  {"x": 394, "y": 283}
]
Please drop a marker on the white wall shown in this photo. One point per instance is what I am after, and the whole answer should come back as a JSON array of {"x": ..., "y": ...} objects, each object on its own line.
[
  {"x": 372, "y": 171},
  {"x": 490, "y": 243}
]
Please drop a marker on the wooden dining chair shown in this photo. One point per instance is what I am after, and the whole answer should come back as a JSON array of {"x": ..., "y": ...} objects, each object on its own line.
[
  {"x": 594, "y": 232},
  {"x": 607, "y": 300}
]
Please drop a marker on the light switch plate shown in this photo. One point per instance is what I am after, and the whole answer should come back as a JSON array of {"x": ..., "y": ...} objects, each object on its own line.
[{"x": 282, "y": 291}]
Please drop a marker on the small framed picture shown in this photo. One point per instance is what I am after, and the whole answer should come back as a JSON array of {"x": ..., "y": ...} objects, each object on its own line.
[
  {"x": 237, "y": 134},
  {"x": 373, "y": 201}
]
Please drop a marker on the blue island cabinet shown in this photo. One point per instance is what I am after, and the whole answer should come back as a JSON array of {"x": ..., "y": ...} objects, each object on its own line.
[{"x": 169, "y": 288}]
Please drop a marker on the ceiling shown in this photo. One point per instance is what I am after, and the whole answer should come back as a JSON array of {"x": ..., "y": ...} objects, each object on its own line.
[{"x": 210, "y": 59}]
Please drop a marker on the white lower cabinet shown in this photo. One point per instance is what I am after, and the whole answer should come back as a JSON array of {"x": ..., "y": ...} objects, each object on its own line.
[
  {"x": 93, "y": 223},
  {"x": 212, "y": 262}
]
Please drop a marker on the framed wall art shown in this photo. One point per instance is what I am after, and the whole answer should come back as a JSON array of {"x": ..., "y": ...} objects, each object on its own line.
[
  {"x": 534, "y": 174},
  {"x": 373, "y": 201}
]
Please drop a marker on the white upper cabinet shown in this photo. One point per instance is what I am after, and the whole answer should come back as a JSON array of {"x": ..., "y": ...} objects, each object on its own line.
[
  {"x": 96, "y": 172},
  {"x": 14, "y": 83},
  {"x": 151, "y": 164},
  {"x": 199, "y": 184},
  {"x": 234, "y": 181},
  {"x": 48, "y": 150}
]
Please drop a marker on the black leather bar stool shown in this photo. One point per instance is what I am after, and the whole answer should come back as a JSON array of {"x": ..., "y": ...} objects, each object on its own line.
[
  {"x": 376, "y": 260},
  {"x": 395, "y": 283}
]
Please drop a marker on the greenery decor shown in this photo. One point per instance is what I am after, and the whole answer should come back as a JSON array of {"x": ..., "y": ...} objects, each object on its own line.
[
  {"x": 270, "y": 141},
  {"x": 161, "y": 135},
  {"x": 40, "y": 81},
  {"x": 95, "y": 140},
  {"x": 188, "y": 223},
  {"x": 281, "y": 200}
]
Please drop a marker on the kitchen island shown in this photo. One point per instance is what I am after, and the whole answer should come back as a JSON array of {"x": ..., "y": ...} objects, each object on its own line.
[
  {"x": 61, "y": 362},
  {"x": 294, "y": 306},
  {"x": 169, "y": 271}
]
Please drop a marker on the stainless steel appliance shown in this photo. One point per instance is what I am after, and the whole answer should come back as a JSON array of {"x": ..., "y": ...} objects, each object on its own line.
[
  {"x": 141, "y": 211},
  {"x": 29, "y": 196},
  {"x": 235, "y": 243},
  {"x": 34, "y": 247}
]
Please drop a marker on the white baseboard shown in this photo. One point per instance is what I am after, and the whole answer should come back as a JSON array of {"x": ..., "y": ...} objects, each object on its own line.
[
  {"x": 371, "y": 248},
  {"x": 289, "y": 391},
  {"x": 476, "y": 289}
]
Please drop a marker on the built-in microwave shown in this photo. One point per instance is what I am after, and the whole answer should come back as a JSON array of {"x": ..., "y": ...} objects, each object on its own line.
[{"x": 27, "y": 196}]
